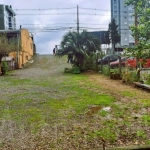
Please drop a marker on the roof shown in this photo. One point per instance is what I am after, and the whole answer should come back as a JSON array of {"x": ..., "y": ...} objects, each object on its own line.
[
  {"x": 10, "y": 9},
  {"x": 9, "y": 31},
  {"x": 8, "y": 58}
]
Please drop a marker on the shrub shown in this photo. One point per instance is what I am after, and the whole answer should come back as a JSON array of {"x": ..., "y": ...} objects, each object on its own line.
[
  {"x": 106, "y": 70},
  {"x": 129, "y": 76},
  {"x": 68, "y": 70},
  {"x": 76, "y": 70},
  {"x": 4, "y": 67}
]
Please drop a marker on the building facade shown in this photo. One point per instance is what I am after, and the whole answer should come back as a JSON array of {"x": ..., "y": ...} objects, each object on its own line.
[
  {"x": 7, "y": 18},
  {"x": 123, "y": 15},
  {"x": 25, "y": 46}
]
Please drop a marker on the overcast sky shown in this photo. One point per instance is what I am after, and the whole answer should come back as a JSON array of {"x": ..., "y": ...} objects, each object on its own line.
[{"x": 49, "y": 20}]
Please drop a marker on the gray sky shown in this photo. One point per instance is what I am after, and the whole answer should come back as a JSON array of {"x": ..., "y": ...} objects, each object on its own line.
[{"x": 49, "y": 20}]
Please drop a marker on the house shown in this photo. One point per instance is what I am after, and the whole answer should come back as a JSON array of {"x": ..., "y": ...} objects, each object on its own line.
[{"x": 25, "y": 48}]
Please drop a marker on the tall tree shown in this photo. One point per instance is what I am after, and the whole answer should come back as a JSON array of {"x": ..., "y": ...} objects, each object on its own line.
[
  {"x": 80, "y": 45},
  {"x": 7, "y": 45},
  {"x": 142, "y": 13},
  {"x": 114, "y": 35},
  {"x": 141, "y": 32}
]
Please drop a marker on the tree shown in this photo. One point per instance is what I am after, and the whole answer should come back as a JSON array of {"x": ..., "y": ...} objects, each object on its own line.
[
  {"x": 113, "y": 32},
  {"x": 7, "y": 45},
  {"x": 140, "y": 32},
  {"x": 80, "y": 45}
]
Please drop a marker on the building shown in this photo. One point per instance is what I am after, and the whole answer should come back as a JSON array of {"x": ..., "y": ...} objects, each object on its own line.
[
  {"x": 25, "y": 46},
  {"x": 103, "y": 36},
  {"x": 124, "y": 19},
  {"x": 7, "y": 18}
]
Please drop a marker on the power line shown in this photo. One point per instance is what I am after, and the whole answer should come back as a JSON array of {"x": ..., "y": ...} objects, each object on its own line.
[
  {"x": 41, "y": 9},
  {"x": 46, "y": 9},
  {"x": 64, "y": 14}
]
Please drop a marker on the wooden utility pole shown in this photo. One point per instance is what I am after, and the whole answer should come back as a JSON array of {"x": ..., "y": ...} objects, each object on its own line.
[
  {"x": 77, "y": 19},
  {"x": 136, "y": 22}
]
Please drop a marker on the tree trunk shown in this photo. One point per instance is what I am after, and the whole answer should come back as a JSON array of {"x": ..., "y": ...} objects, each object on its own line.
[
  {"x": 113, "y": 48},
  {"x": 138, "y": 67}
]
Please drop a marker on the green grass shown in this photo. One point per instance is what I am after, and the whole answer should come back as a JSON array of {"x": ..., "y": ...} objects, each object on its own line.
[
  {"x": 65, "y": 99},
  {"x": 128, "y": 94},
  {"x": 38, "y": 102},
  {"x": 145, "y": 102}
]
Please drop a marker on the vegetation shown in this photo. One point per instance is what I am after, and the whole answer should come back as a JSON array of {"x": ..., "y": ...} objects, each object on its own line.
[
  {"x": 141, "y": 30},
  {"x": 47, "y": 109},
  {"x": 4, "y": 67},
  {"x": 82, "y": 47},
  {"x": 7, "y": 45},
  {"x": 113, "y": 32}
]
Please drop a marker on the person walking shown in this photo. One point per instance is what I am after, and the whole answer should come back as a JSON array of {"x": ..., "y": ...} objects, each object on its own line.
[
  {"x": 70, "y": 58},
  {"x": 54, "y": 51}
]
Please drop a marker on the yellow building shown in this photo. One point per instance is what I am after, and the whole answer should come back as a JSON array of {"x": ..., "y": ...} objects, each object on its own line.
[{"x": 25, "y": 49}]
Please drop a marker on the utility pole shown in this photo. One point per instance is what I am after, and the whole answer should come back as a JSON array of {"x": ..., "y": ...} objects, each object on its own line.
[
  {"x": 136, "y": 22},
  {"x": 77, "y": 19}
]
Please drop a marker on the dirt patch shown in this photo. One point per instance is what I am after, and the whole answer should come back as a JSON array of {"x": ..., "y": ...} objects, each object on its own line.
[{"x": 117, "y": 87}]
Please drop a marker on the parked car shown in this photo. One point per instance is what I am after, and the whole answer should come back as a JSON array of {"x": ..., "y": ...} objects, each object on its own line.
[
  {"x": 132, "y": 62},
  {"x": 107, "y": 59},
  {"x": 116, "y": 63}
]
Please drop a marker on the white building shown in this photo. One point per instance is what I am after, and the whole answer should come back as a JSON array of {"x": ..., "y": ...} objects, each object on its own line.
[
  {"x": 124, "y": 19},
  {"x": 7, "y": 18}
]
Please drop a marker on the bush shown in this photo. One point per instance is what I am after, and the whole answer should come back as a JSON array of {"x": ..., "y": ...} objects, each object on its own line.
[
  {"x": 4, "y": 67},
  {"x": 106, "y": 70},
  {"x": 68, "y": 70},
  {"x": 76, "y": 70},
  {"x": 129, "y": 76}
]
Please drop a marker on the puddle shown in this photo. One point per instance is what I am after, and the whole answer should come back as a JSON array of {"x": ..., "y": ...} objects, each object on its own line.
[{"x": 95, "y": 108}]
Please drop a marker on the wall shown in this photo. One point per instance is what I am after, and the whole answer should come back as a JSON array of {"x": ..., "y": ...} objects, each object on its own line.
[
  {"x": 2, "y": 17},
  {"x": 26, "y": 48}
]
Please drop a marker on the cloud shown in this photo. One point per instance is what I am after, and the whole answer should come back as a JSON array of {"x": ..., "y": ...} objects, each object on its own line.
[{"x": 49, "y": 22}]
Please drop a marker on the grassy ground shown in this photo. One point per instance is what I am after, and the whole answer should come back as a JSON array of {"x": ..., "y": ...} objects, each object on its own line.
[{"x": 43, "y": 108}]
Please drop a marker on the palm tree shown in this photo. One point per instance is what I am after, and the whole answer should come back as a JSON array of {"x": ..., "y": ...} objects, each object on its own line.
[{"x": 80, "y": 45}]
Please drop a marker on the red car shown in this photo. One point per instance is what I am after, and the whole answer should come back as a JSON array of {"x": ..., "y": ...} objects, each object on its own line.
[
  {"x": 115, "y": 64},
  {"x": 132, "y": 62}
]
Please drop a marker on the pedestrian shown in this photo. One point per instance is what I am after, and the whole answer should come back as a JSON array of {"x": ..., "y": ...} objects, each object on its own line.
[
  {"x": 54, "y": 51},
  {"x": 70, "y": 58}
]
